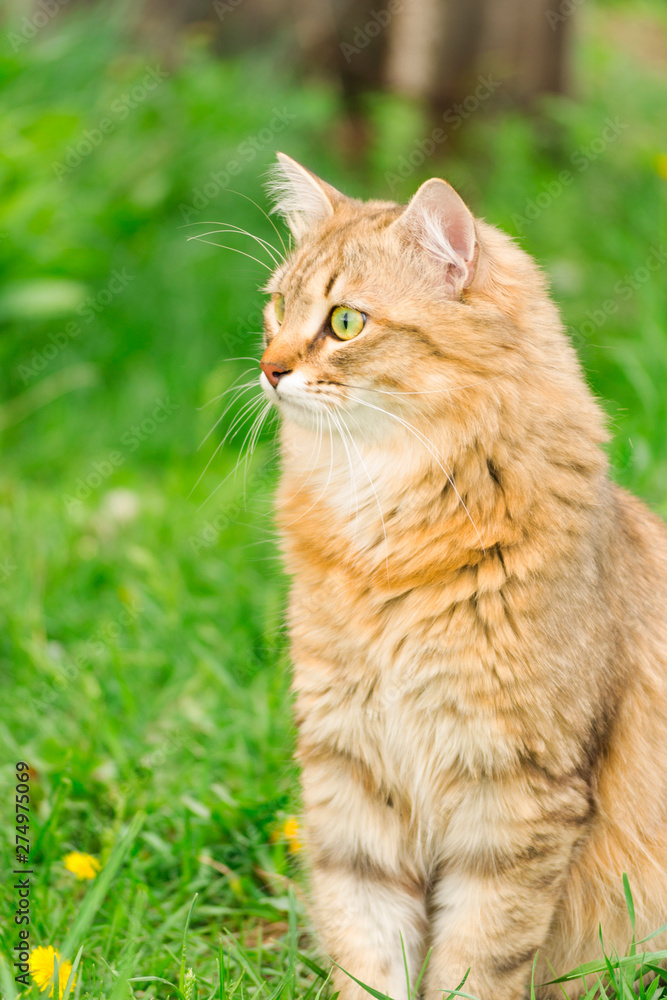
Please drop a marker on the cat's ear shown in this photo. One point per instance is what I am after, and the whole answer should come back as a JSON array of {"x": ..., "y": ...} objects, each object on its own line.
[
  {"x": 439, "y": 221},
  {"x": 300, "y": 197}
]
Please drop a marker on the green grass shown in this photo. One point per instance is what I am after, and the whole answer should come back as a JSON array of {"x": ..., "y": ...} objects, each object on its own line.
[{"x": 144, "y": 668}]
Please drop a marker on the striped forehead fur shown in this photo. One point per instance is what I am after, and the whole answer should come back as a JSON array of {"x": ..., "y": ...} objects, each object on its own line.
[{"x": 303, "y": 204}]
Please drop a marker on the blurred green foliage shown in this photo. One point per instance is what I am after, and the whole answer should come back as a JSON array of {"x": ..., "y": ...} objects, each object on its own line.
[{"x": 142, "y": 650}]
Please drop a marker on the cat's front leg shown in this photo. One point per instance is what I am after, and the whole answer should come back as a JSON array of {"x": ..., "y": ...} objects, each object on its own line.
[
  {"x": 493, "y": 906},
  {"x": 365, "y": 898}
]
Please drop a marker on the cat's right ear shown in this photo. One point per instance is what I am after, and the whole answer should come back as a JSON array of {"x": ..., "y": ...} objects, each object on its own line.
[
  {"x": 440, "y": 223},
  {"x": 301, "y": 198}
]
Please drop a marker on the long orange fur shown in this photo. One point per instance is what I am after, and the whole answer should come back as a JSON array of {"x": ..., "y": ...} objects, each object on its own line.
[{"x": 478, "y": 615}]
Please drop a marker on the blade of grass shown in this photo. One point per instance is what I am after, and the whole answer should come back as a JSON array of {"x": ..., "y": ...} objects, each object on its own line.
[
  {"x": 560, "y": 985},
  {"x": 64, "y": 787},
  {"x": 599, "y": 966},
  {"x": 184, "y": 946},
  {"x": 6, "y": 981},
  {"x": 406, "y": 967},
  {"x": 603, "y": 992},
  {"x": 590, "y": 993},
  {"x": 383, "y": 996},
  {"x": 630, "y": 903},
  {"x": 280, "y": 987},
  {"x": 157, "y": 979},
  {"x": 245, "y": 962},
  {"x": 364, "y": 986},
  {"x": 461, "y": 984},
  {"x": 100, "y": 886},
  {"x": 120, "y": 988},
  {"x": 532, "y": 977},
  {"x": 654, "y": 934},
  {"x": 423, "y": 970},
  {"x": 222, "y": 971},
  {"x": 617, "y": 982},
  {"x": 313, "y": 966},
  {"x": 293, "y": 937},
  {"x": 323, "y": 986},
  {"x": 460, "y": 993},
  {"x": 72, "y": 976}
]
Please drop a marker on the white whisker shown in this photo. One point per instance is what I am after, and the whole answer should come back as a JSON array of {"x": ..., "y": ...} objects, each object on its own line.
[
  {"x": 353, "y": 478},
  {"x": 266, "y": 216},
  {"x": 229, "y": 228},
  {"x": 420, "y": 392},
  {"x": 222, "y": 481},
  {"x": 324, "y": 488},
  {"x": 233, "y": 249},
  {"x": 245, "y": 410},
  {"x": 247, "y": 407},
  {"x": 240, "y": 389},
  {"x": 234, "y": 385},
  {"x": 257, "y": 423},
  {"x": 424, "y": 440},
  {"x": 230, "y": 403},
  {"x": 377, "y": 499},
  {"x": 220, "y": 222},
  {"x": 227, "y": 360}
]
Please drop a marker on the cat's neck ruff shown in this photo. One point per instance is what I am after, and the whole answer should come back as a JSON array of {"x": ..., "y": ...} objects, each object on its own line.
[{"x": 408, "y": 507}]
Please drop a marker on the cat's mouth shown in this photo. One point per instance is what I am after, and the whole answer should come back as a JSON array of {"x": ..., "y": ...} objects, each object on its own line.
[
  {"x": 293, "y": 389},
  {"x": 317, "y": 404}
]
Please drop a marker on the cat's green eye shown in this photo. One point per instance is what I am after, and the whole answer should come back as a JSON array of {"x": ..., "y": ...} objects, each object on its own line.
[
  {"x": 347, "y": 323},
  {"x": 280, "y": 308}
]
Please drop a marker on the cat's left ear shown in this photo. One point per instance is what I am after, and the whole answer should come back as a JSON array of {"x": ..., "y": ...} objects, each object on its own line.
[
  {"x": 439, "y": 221},
  {"x": 300, "y": 196}
]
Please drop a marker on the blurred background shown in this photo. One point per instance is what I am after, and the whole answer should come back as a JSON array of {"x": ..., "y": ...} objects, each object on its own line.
[{"x": 143, "y": 653}]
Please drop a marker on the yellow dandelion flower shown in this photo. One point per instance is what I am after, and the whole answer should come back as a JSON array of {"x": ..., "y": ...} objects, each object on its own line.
[
  {"x": 42, "y": 968},
  {"x": 291, "y": 833},
  {"x": 82, "y": 865}
]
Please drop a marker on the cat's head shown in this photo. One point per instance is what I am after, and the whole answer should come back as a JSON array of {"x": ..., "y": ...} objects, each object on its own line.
[{"x": 384, "y": 312}]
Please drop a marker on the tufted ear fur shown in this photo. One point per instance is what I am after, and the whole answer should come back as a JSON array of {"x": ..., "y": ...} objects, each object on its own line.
[
  {"x": 300, "y": 197},
  {"x": 438, "y": 220}
]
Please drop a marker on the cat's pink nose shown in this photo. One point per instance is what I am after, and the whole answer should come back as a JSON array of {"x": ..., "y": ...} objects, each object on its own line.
[{"x": 273, "y": 371}]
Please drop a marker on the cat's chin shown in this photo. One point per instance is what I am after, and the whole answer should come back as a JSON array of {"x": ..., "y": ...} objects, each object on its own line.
[{"x": 307, "y": 417}]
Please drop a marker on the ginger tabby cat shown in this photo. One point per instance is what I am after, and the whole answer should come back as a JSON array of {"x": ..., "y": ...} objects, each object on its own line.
[{"x": 478, "y": 615}]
